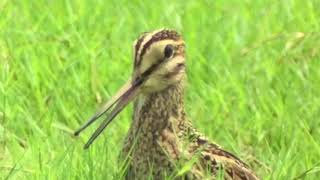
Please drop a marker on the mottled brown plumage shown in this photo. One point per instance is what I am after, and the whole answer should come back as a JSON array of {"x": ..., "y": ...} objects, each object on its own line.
[{"x": 161, "y": 140}]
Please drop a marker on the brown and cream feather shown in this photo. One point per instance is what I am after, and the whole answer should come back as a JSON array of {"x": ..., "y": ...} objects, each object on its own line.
[{"x": 160, "y": 138}]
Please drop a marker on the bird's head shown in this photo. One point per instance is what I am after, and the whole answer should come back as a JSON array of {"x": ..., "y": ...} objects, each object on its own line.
[{"x": 159, "y": 62}]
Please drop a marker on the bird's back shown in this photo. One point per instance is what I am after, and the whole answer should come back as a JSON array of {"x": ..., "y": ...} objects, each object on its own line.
[
  {"x": 212, "y": 159},
  {"x": 176, "y": 145}
]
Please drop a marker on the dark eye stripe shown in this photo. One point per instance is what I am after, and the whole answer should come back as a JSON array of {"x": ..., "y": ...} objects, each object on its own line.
[{"x": 159, "y": 36}]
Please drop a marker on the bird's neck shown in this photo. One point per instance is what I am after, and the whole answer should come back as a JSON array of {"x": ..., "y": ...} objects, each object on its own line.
[
  {"x": 157, "y": 111},
  {"x": 155, "y": 130}
]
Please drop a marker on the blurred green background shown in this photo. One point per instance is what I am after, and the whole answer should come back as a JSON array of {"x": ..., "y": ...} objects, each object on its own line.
[{"x": 253, "y": 81}]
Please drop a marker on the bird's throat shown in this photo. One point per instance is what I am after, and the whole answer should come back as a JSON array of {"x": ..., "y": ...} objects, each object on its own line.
[{"x": 157, "y": 110}]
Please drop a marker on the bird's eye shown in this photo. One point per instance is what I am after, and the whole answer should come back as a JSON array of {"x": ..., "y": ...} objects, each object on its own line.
[{"x": 168, "y": 51}]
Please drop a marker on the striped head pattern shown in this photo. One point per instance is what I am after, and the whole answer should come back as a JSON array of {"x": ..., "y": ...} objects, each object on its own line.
[
  {"x": 159, "y": 59},
  {"x": 159, "y": 62}
]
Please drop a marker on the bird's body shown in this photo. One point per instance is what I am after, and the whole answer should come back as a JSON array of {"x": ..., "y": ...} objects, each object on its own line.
[
  {"x": 170, "y": 139},
  {"x": 161, "y": 140}
]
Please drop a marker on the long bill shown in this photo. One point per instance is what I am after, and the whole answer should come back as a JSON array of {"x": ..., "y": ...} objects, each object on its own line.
[{"x": 114, "y": 106}]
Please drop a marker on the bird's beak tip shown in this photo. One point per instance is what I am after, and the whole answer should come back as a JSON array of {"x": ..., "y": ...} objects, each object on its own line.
[
  {"x": 85, "y": 147},
  {"x": 76, "y": 133}
]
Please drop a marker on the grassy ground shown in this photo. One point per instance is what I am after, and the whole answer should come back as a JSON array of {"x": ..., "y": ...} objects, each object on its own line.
[{"x": 253, "y": 81}]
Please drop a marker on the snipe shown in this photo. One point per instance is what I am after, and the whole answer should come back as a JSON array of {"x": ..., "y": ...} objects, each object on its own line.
[{"x": 160, "y": 137}]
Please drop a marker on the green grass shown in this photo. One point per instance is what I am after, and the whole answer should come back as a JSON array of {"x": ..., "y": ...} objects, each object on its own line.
[{"x": 253, "y": 81}]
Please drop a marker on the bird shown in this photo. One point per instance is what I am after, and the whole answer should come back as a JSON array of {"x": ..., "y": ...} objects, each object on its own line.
[{"x": 161, "y": 139}]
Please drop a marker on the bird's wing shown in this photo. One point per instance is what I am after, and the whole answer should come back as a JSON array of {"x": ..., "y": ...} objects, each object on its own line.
[{"x": 213, "y": 158}]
